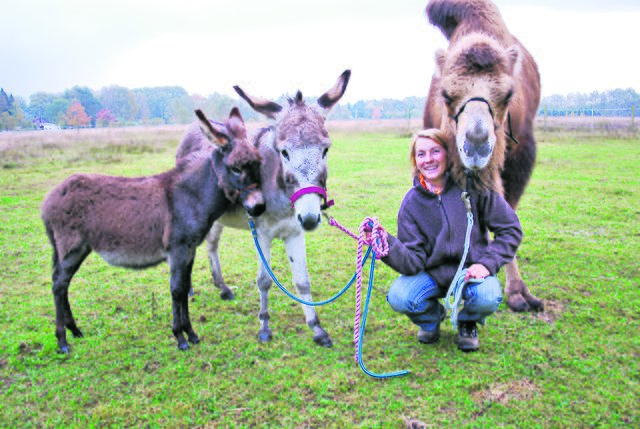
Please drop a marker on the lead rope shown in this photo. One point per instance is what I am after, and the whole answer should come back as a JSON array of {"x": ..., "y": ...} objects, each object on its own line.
[
  {"x": 454, "y": 294},
  {"x": 380, "y": 248}
]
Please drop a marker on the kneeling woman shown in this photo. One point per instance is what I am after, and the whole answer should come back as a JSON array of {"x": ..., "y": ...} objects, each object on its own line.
[{"x": 432, "y": 223}]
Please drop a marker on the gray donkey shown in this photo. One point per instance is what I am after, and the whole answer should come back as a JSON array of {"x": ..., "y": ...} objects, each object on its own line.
[
  {"x": 143, "y": 221},
  {"x": 294, "y": 150}
]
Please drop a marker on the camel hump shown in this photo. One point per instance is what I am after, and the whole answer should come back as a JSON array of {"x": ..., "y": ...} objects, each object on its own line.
[{"x": 465, "y": 16}]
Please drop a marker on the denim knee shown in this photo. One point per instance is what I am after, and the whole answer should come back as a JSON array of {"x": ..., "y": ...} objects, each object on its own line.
[
  {"x": 412, "y": 294},
  {"x": 483, "y": 298}
]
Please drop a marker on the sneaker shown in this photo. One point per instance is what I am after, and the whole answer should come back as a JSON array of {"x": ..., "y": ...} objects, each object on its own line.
[
  {"x": 468, "y": 337},
  {"x": 432, "y": 335}
]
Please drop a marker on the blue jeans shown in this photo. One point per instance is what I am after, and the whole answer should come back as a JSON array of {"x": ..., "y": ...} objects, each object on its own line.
[{"x": 417, "y": 297}]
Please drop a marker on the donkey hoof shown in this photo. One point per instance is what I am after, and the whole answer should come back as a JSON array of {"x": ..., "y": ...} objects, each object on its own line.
[
  {"x": 183, "y": 346},
  {"x": 63, "y": 350},
  {"x": 227, "y": 295},
  {"x": 264, "y": 336},
  {"x": 194, "y": 339},
  {"x": 323, "y": 340},
  {"x": 517, "y": 303},
  {"x": 77, "y": 333}
]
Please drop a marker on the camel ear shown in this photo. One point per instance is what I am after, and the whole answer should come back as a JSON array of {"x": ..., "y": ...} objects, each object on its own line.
[
  {"x": 441, "y": 58},
  {"x": 216, "y": 133},
  {"x": 514, "y": 58}
]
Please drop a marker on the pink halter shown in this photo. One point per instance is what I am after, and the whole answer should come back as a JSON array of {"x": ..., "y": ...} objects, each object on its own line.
[{"x": 312, "y": 190}]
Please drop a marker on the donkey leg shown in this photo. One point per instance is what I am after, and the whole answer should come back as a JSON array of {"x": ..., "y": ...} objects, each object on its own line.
[
  {"x": 181, "y": 265},
  {"x": 296, "y": 250},
  {"x": 63, "y": 272},
  {"x": 518, "y": 296},
  {"x": 264, "y": 284},
  {"x": 213, "y": 240}
]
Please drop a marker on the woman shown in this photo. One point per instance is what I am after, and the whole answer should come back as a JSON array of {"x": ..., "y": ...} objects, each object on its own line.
[{"x": 432, "y": 223}]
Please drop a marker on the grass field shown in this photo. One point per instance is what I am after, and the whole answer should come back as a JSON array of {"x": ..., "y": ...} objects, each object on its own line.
[{"x": 576, "y": 365}]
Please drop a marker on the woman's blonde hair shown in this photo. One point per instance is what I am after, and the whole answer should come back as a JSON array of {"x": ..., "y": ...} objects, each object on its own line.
[{"x": 431, "y": 133}]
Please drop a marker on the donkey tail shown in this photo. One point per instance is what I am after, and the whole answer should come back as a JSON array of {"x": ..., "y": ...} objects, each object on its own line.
[{"x": 56, "y": 258}]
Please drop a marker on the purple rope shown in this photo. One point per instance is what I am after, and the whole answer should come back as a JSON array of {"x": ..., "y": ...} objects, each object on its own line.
[{"x": 380, "y": 247}]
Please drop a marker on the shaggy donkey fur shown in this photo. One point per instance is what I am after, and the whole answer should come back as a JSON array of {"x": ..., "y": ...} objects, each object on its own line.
[{"x": 143, "y": 221}]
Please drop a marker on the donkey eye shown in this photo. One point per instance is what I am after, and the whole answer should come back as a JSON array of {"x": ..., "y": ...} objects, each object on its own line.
[
  {"x": 285, "y": 154},
  {"x": 325, "y": 152},
  {"x": 236, "y": 171}
]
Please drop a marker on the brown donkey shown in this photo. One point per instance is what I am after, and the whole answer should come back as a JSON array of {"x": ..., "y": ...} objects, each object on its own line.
[{"x": 143, "y": 221}]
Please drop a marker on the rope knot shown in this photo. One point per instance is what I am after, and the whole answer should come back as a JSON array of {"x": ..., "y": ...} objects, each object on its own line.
[{"x": 377, "y": 236}]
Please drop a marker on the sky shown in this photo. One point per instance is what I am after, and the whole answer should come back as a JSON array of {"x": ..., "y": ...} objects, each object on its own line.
[{"x": 275, "y": 47}]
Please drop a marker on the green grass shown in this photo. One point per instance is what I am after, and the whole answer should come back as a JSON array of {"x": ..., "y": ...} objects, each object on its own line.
[{"x": 573, "y": 366}]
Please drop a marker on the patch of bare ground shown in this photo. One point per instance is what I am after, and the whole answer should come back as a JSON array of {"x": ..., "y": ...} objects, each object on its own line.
[
  {"x": 413, "y": 423},
  {"x": 552, "y": 311},
  {"x": 503, "y": 393}
]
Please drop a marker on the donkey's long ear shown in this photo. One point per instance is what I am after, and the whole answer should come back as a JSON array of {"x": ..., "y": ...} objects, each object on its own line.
[
  {"x": 216, "y": 133},
  {"x": 236, "y": 123},
  {"x": 266, "y": 107},
  {"x": 331, "y": 97}
]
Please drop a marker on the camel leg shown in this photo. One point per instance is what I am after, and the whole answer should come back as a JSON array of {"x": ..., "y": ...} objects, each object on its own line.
[
  {"x": 264, "y": 284},
  {"x": 518, "y": 296},
  {"x": 213, "y": 240},
  {"x": 296, "y": 250}
]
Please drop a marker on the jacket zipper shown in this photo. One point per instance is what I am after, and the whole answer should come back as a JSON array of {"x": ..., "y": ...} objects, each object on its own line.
[{"x": 446, "y": 222}]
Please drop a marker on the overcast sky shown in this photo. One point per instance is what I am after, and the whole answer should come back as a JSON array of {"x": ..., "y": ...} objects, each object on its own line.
[{"x": 275, "y": 47}]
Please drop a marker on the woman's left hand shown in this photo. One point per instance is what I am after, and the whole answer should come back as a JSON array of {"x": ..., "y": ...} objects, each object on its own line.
[{"x": 476, "y": 271}]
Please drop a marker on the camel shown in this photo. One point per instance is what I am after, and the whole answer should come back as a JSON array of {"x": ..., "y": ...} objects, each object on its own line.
[{"x": 484, "y": 96}]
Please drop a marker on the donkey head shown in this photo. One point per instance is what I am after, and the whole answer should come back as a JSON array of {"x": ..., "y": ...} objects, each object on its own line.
[
  {"x": 302, "y": 143},
  {"x": 236, "y": 162},
  {"x": 477, "y": 84}
]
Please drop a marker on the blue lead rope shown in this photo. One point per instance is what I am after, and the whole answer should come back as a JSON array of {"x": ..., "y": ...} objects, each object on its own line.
[
  {"x": 364, "y": 325},
  {"x": 454, "y": 294},
  {"x": 284, "y": 289},
  {"x": 333, "y": 298}
]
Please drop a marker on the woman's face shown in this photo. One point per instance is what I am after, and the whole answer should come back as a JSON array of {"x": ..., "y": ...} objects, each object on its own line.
[{"x": 431, "y": 160}]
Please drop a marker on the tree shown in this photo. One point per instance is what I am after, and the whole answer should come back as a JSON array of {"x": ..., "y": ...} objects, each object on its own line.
[
  {"x": 120, "y": 101},
  {"x": 104, "y": 118},
  {"x": 56, "y": 111},
  {"x": 85, "y": 96},
  {"x": 76, "y": 117},
  {"x": 5, "y": 104}
]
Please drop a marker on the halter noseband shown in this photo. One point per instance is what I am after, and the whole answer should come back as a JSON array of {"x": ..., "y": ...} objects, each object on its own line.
[
  {"x": 457, "y": 115},
  {"x": 312, "y": 190},
  {"x": 509, "y": 133}
]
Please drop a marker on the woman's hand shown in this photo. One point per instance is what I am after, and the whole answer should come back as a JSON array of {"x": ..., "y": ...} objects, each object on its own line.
[{"x": 476, "y": 271}]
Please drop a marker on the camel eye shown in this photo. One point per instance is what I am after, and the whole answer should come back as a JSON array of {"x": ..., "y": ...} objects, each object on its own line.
[
  {"x": 325, "y": 152},
  {"x": 507, "y": 97},
  {"x": 236, "y": 171},
  {"x": 285, "y": 154},
  {"x": 447, "y": 99}
]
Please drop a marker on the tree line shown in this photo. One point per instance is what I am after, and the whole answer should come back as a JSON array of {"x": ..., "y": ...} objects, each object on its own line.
[{"x": 117, "y": 106}]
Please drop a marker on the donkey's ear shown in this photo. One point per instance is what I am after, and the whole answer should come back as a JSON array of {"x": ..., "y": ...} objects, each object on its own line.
[
  {"x": 236, "y": 123},
  {"x": 331, "y": 97},
  {"x": 266, "y": 107},
  {"x": 216, "y": 133}
]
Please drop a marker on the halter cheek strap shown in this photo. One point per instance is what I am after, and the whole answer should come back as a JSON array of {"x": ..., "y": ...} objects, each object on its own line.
[{"x": 312, "y": 190}]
